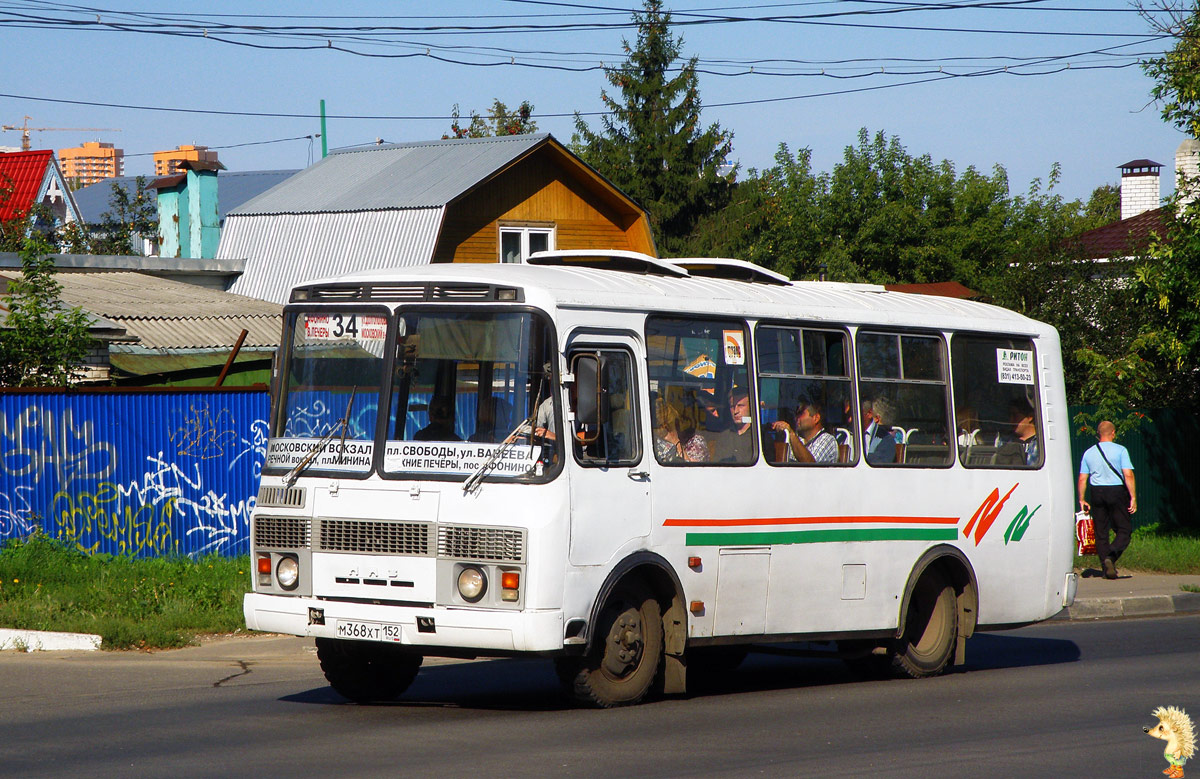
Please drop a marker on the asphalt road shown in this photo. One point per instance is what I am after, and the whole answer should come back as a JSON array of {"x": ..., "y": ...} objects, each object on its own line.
[{"x": 1058, "y": 699}]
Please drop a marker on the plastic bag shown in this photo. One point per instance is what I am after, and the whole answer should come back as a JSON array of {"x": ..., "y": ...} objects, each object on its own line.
[{"x": 1085, "y": 534}]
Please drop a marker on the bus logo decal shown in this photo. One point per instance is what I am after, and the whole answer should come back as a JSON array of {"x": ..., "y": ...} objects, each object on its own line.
[
  {"x": 1016, "y": 528},
  {"x": 986, "y": 514}
]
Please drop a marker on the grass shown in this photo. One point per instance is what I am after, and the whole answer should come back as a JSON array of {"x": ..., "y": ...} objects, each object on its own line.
[
  {"x": 131, "y": 603},
  {"x": 1157, "y": 550}
]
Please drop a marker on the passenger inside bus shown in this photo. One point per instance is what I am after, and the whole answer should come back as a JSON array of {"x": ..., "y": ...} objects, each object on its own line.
[
  {"x": 441, "y": 421},
  {"x": 736, "y": 445},
  {"x": 878, "y": 443},
  {"x": 675, "y": 437},
  {"x": 808, "y": 442}
]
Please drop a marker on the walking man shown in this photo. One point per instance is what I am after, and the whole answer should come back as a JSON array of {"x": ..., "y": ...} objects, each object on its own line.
[{"x": 1107, "y": 467}]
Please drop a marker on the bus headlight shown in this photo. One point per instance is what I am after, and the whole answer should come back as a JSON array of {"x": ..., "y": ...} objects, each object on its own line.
[
  {"x": 472, "y": 584},
  {"x": 287, "y": 572}
]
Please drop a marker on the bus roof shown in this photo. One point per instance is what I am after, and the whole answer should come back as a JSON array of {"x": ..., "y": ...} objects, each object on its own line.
[{"x": 571, "y": 286}]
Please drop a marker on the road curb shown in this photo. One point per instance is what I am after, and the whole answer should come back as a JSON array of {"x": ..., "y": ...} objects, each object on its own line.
[
  {"x": 1132, "y": 606},
  {"x": 47, "y": 640}
]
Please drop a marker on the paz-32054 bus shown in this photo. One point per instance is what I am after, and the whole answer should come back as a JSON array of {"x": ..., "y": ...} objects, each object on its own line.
[{"x": 638, "y": 467}]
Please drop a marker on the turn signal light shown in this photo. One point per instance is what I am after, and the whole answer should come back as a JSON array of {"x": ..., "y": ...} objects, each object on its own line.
[
  {"x": 510, "y": 585},
  {"x": 264, "y": 563},
  {"x": 693, "y": 562}
]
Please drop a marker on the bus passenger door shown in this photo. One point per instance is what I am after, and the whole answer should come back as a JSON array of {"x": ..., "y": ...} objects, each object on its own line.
[{"x": 610, "y": 488}]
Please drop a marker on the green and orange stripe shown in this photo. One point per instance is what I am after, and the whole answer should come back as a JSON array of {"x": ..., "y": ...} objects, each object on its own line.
[{"x": 760, "y": 531}]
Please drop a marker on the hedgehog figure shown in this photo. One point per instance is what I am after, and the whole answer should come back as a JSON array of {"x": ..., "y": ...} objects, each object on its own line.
[{"x": 1174, "y": 727}]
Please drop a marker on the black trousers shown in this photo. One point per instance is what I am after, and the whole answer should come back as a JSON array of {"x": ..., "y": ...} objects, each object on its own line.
[{"x": 1110, "y": 513}]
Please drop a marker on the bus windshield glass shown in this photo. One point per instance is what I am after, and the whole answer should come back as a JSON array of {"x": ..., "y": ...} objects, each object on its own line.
[
  {"x": 467, "y": 389},
  {"x": 329, "y": 392}
]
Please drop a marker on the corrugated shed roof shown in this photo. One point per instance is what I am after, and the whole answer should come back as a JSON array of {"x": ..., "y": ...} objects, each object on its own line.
[
  {"x": 24, "y": 172},
  {"x": 292, "y": 248},
  {"x": 425, "y": 174},
  {"x": 1124, "y": 238},
  {"x": 166, "y": 314},
  {"x": 233, "y": 189}
]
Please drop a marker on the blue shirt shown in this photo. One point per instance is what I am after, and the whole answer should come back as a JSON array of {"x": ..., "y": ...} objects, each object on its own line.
[{"x": 1101, "y": 474}]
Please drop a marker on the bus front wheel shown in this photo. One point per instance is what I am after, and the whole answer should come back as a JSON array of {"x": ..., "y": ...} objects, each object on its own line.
[
  {"x": 364, "y": 672},
  {"x": 930, "y": 628},
  {"x": 626, "y": 653}
]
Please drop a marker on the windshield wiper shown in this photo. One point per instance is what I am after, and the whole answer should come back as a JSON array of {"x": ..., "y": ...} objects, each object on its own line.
[
  {"x": 344, "y": 423},
  {"x": 475, "y": 479}
]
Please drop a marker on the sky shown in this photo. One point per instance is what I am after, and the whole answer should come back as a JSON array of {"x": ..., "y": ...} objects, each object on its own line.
[{"x": 1024, "y": 84}]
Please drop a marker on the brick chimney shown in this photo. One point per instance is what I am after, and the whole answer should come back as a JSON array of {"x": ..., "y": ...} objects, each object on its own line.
[
  {"x": 1187, "y": 171},
  {"x": 1139, "y": 187}
]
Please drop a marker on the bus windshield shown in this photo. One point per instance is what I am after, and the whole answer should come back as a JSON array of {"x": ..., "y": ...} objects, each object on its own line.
[
  {"x": 462, "y": 384},
  {"x": 329, "y": 391}
]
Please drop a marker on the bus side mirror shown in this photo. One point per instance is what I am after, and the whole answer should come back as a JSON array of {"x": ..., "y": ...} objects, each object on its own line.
[{"x": 586, "y": 368}]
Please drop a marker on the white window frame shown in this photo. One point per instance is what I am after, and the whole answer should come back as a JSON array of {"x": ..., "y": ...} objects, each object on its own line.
[{"x": 524, "y": 230}]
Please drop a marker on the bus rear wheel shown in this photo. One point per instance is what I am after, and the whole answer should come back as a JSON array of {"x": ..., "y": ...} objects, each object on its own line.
[
  {"x": 626, "y": 654},
  {"x": 366, "y": 672},
  {"x": 930, "y": 628}
]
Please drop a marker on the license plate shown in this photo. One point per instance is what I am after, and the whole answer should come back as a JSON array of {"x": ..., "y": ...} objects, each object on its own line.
[{"x": 368, "y": 631}]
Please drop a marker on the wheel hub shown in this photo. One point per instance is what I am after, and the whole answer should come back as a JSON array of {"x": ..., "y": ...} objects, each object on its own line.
[{"x": 624, "y": 645}]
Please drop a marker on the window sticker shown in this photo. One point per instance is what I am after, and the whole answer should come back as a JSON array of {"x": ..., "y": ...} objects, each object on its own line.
[
  {"x": 1014, "y": 366},
  {"x": 735, "y": 347},
  {"x": 458, "y": 458},
  {"x": 344, "y": 327},
  {"x": 333, "y": 456}
]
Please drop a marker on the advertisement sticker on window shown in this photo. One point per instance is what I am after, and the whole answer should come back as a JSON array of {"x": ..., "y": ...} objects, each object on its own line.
[{"x": 1014, "y": 366}]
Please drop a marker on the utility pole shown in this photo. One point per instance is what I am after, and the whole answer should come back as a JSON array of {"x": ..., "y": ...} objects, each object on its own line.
[{"x": 324, "y": 137}]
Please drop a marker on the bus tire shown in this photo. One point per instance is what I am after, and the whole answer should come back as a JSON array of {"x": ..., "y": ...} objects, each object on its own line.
[
  {"x": 365, "y": 672},
  {"x": 626, "y": 653},
  {"x": 930, "y": 628}
]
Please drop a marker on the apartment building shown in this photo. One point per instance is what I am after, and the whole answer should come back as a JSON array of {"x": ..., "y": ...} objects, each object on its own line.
[
  {"x": 167, "y": 163},
  {"x": 91, "y": 162}
]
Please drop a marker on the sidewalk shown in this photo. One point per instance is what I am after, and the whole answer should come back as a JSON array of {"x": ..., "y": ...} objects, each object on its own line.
[{"x": 1132, "y": 594}]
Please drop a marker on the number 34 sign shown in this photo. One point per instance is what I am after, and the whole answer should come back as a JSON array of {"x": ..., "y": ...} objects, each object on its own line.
[{"x": 344, "y": 327}]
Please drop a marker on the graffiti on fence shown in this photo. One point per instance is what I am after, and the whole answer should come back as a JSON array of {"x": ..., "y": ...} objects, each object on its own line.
[{"x": 175, "y": 474}]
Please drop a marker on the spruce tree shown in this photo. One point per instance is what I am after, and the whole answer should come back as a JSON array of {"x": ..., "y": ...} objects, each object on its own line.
[{"x": 652, "y": 146}]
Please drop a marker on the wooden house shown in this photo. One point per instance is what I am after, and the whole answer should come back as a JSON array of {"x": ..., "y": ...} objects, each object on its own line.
[{"x": 454, "y": 200}]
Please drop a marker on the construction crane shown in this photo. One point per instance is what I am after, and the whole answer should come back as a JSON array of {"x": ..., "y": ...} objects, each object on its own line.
[{"x": 26, "y": 129}]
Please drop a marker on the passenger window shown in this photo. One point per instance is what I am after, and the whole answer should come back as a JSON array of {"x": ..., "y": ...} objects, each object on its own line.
[
  {"x": 903, "y": 399},
  {"x": 806, "y": 404},
  {"x": 604, "y": 406},
  {"x": 997, "y": 419},
  {"x": 701, "y": 399}
]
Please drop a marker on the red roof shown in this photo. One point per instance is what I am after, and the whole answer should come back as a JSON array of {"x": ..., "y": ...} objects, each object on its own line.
[
  {"x": 943, "y": 289},
  {"x": 1124, "y": 238},
  {"x": 21, "y": 177}
]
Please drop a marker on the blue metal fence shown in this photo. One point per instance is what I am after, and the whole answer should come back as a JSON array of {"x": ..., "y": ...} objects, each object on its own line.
[{"x": 145, "y": 473}]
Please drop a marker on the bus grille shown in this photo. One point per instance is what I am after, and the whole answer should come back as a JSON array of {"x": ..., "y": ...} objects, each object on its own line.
[
  {"x": 280, "y": 497},
  {"x": 376, "y": 537},
  {"x": 481, "y": 543},
  {"x": 282, "y": 532}
]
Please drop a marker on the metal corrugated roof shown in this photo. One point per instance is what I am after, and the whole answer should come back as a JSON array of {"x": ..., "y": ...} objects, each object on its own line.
[
  {"x": 408, "y": 175},
  {"x": 291, "y": 248},
  {"x": 26, "y": 170},
  {"x": 165, "y": 314}
]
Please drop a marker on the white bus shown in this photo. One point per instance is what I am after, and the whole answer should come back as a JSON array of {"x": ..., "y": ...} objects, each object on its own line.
[{"x": 637, "y": 466}]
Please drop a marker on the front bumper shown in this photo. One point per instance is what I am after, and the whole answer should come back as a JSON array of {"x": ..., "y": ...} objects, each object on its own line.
[{"x": 454, "y": 629}]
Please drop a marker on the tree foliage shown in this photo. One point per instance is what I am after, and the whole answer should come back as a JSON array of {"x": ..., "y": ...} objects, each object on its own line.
[
  {"x": 500, "y": 121},
  {"x": 41, "y": 341},
  {"x": 130, "y": 217},
  {"x": 653, "y": 147}
]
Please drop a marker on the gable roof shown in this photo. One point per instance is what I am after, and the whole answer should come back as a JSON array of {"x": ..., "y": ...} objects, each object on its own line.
[
  {"x": 25, "y": 172},
  {"x": 426, "y": 174},
  {"x": 233, "y": 189},
  {"x": 1124, "y": 238},
  {"x": 944, "y": 289}
]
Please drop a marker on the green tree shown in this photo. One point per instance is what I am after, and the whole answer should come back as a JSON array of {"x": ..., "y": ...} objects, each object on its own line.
[
  {"x": 500, "y": 121},
  {"x": 652, "y": 147},
  {"x": 41, "y": 341},
  {"x": 130, "y": 217}
]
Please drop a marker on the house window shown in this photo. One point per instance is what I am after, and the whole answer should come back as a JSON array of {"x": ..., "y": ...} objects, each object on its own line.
[{"x": 517, "y": 243}]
